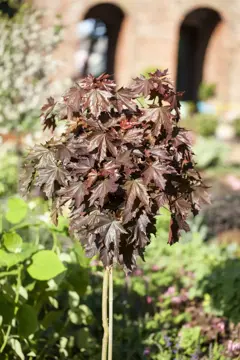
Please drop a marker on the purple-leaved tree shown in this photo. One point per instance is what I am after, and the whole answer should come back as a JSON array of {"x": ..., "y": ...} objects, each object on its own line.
[{"x": 116, "y": 164}]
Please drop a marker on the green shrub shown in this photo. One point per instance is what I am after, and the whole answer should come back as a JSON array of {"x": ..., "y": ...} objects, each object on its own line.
[
  {"x": 236, "y": 124},
  {"x": 206, "y": 91},
  {"x": 209, "y": 152},
  {"x": 46, "y": 278},
  {"x": 41, "y": 282},
  {"x": 202, "y": 124},
  {"x": 9, "y": 161}
]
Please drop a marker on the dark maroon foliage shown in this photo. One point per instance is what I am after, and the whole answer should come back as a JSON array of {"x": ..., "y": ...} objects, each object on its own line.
[{"x": 116, "y": 164}]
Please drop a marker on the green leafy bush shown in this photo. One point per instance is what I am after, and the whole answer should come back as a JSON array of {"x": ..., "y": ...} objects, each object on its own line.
[
  {"x": 41, "y": 283},
  {"x": 168, "y": 308},
  {"x": 206, "y": 91},
  {"x": 209, "y": 152},
  {"x": 9, "y": 161},
  {"x": 202, "y": 124},
  {"x": 236, "y": 124}
]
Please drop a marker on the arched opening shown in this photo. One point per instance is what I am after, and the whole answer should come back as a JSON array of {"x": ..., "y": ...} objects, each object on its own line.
[
  {"x": 98, "y": 36},
  {"x": 195, "y": 33}
]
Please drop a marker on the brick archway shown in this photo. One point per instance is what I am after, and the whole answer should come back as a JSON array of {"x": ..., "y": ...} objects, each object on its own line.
[
  {"x": 194, "y": 35},
  {"x": 112, "y": 16}
]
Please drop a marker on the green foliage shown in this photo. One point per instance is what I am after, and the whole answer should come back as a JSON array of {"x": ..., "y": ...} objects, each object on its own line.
[
  {"x": 190, "y": 338},
  {"x": 206, "y": 91},
  {"x": 50, "y": 302},
  {"x": 27, "y": 67},
  {"x": 46, "y": 265},
  {"x": 41, "y": 313},
  {"x": 16, "y": 210},
  {"x": 223, "y": 286},
  {"x": 8, "y": 170},
  {"x": 209, "y": 152},
  {"x": 236, "y": 124},
  {"x": 202, "y": 124}
]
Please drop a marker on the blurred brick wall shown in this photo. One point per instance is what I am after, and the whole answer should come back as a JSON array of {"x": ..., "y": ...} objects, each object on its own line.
[{"x": 150, "y": 34}]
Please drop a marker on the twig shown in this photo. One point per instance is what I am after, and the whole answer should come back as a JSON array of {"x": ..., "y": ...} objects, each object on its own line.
[
  {"x": 110, "y": 335},
  {"x": 105, "y": 314}
]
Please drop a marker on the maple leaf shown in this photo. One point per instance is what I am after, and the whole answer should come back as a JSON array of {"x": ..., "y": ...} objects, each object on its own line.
[
  {"x": 182, "y": 137},
  {"x": 104, "y": 82},
  {"x": 158, "y": 73},
  {"x": 158, "y": 151},
  {"x": 173, "y": 236},
  {"x": 109, "y": 230},
  {"x": 41, "y": 154},
  {"x": 74, "y": 98},
  {"x": 83, "y": 166},
  {"x": 110, "y": 168},
  {"x": 80, "y": 222},
  {"x": 133, "y": 136},
  {"x": 155, "y": 172},
  {"x": 161, "y": 199},
  {"x": 48, "y": 174},
  {"x": 48, "y": 107},
  {"x": 159, "y": 116},
  {"x": 91, "y": 179},
  {"x": 173, "y": 100},
  {"x": 75, "y": 191},
  {"x": 97, "y": 101},
  {"x": 200, "y": 197},
  {"x": 102, "y": 190},
  {"x": 78, "y": 146},
  {"x": 124, "y": 98},
  {"x": 103, "y": 142},
  {"x": 142, "y": 86},
  {"x": 140, "y": 231},
  {"x": 49, "y": 120},
  {"x": 124, "y": 158},
  {"x": 182, "y": 206},
  {"x": 134, "y": 189},
  {"x": 63, "y": 153}
]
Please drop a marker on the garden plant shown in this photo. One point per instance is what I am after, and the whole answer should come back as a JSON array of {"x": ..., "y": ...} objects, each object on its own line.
[{"x": 116, "y": 163}]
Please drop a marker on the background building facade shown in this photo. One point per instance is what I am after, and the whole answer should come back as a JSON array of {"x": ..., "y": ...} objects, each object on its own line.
[{"x": 196, "y": 40}]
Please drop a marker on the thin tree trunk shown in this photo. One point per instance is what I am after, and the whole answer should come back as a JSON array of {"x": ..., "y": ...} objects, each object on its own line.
[
  {"x": 105, "y": 314},
  {"x": 110, "y": 335}
]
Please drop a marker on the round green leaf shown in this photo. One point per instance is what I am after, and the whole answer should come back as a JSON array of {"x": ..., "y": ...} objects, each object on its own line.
[
  {"x": 51, "y": 318},
  {"x": 17, "y": 210},
  {"x": 27, "y": 320},
  {"x": 75, "y": 272},
  {"x": 45, "y": 265},
  {"x": 12, "y": 242},
  {"x": 8, "y": 259},
  {"x": 6, "y": 310}
]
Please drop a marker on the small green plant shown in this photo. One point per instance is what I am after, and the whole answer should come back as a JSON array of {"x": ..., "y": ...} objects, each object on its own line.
[
  {"x": 236, "y": 124},
  {"x": 202, "y": 124},
  {"x": 206, "y": 91},
  {"x": 209, "y": 152},
  {"x": 41, "y": 314},
  {"x": 9, "y": 161}
]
